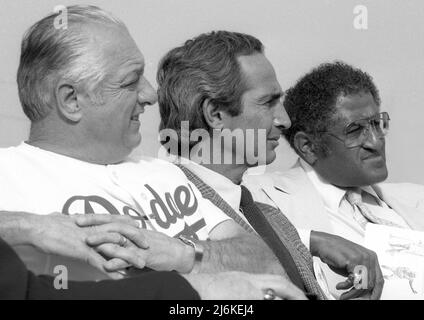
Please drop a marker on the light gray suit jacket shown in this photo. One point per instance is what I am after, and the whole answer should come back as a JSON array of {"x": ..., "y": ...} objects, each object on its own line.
[{"x": 295, "y": 195}]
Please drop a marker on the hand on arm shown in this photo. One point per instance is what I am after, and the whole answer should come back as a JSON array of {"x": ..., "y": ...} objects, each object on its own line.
[
  {"x": 242, "y": 252},
  {"x": 55, "y": 234},
  {"x": 343, "y": 256}
]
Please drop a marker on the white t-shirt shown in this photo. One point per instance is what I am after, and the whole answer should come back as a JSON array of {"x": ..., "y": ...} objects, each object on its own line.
[{"x": 152, "y": 191}]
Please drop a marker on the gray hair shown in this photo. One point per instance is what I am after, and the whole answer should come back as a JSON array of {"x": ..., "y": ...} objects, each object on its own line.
[{"x": 49, "y": 53}]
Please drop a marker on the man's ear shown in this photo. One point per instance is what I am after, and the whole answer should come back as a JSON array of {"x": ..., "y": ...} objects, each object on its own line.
[
  {"x": 305, "y": 147},
  {"x": 67, "y": 102},
  {"x": 213, "y": 117}
]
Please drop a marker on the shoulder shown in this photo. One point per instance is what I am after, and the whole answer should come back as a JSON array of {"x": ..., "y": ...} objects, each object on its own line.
[
  {"x": 403, "y": 190},
  {"x": 281, "y": 179},
  {"x": 14, "y": 155},
  {"x": 151, "y": 167}
]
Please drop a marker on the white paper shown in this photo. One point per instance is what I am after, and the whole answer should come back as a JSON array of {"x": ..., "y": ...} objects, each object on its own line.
[{"x": 401, "y": 256}]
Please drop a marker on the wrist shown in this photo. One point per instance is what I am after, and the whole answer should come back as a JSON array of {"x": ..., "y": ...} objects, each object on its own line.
[
  {"x": 316, "y": 242},
  {"x": 31, "y": 226},
  {"x": 16, "y": 227},
  {"x": 192, "y": 255}
]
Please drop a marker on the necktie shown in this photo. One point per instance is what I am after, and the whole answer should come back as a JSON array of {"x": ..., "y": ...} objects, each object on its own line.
[
  {"x": 258, "y": 221},
  {"x": 354, "y": 197}
]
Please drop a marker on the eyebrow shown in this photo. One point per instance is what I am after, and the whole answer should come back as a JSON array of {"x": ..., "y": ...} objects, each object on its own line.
[
  {"x": 366, "y": 118},
  {"x": 272, "y": 96},
  {"x": 138, "y": 71}
]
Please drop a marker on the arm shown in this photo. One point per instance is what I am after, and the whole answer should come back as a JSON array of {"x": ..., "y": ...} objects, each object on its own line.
[
  {"x": 45, "y": 233},
  {"x": 17, "y": 283},
  {"x": 231, "y": 249},
  {"x": 343, "y": 257},
  {"x": 15, "y": 227},
  {"x": 235, "y": 249}
]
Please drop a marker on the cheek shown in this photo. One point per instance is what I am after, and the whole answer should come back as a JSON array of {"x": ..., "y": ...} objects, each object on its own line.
[{"x": 344, "y": 159}]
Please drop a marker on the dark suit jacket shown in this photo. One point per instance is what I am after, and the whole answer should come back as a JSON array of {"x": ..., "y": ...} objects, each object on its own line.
[{"x": 17, "y": 283}]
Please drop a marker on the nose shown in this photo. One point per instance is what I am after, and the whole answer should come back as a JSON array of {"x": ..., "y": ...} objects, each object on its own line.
[
  {"x": 147, "y": 94},
  {"x": 281, "y": 118},
  {"x": 374, "y": 140}
]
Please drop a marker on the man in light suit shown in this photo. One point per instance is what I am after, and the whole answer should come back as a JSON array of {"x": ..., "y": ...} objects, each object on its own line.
[{"x": 338, "y": 131}]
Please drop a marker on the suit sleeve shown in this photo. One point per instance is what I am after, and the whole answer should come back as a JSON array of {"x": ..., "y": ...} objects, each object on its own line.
[{"x": 17, "y": 283}]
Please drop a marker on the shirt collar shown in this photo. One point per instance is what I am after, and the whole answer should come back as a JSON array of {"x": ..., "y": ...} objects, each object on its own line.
[
  {"x": 227, "y": 189},
  {"x": 330, "y": 194}
]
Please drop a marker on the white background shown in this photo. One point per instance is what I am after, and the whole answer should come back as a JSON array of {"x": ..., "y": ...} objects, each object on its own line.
[{"x": 298, "y": 35}]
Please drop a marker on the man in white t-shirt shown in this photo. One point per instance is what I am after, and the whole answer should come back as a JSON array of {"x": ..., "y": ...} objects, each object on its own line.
[{"x": 83, "y": 89}]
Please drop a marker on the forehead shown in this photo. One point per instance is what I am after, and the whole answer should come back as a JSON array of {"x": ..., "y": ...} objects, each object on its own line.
[
  {"x": 356, "y": 106},
  {"x": 258, "y": 75},
  {"x": 116, "y": 46}
]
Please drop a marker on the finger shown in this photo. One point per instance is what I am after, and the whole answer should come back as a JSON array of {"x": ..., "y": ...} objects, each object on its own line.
[
  {"x": 284, "y": 289},
  {"x": 116, "y": 265},
  {"x": 137, "y": 259},
  {"x": 97, "y": 261},
  {"x": 106, "y": 237},
  {"x": 137, "y": 236},
  {"x": 371, "y": 270},
  {"x": 352, "y": 294},
  {"x": 379, "y": 283},
  {"x": 89, "y": 220},
  {"x": 347, "y": 284}
]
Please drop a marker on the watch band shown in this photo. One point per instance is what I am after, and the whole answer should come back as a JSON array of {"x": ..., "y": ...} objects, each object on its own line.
[{"x": 198, "y": 249}]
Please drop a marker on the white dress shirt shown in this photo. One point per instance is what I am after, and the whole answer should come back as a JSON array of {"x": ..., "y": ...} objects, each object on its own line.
[
  {"x": 341, "y": 212},
  {"x": 227, "y": 189},
  {"x": 231, "y": 192}
]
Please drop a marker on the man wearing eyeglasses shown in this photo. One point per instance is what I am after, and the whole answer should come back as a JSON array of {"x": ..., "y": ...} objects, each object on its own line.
[{"x": 338, "y": 131}]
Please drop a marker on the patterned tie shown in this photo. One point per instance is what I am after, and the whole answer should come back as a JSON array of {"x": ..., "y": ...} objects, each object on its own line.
[
  {"x": 354, "y": 196},
  {"x": 258, "y": 221}
]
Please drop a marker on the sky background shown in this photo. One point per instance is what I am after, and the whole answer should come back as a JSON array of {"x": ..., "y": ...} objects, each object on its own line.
[{"x": 297, "y": 34}]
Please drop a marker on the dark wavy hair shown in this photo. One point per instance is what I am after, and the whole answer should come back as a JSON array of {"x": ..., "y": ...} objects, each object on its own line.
[{"x": 311, "y": 102}]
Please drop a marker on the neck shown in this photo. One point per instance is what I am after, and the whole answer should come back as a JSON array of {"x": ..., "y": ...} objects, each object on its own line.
[
  {"x": 68, "y": 143},
  {"x": 232, "y": 171}
]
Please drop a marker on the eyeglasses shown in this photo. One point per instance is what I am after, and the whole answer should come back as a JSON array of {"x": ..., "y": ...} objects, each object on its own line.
[{"x": 357, "y": 132}]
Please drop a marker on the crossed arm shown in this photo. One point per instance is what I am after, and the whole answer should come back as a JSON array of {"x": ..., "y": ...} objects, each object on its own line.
[
  {"x": 231, "y": 247},
  {"x": 91, "y": 238},
  {"x": 152, "y": 249}
]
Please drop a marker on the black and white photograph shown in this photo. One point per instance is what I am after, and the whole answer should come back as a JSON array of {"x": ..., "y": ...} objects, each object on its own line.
[{"x": 212, "y": 150}]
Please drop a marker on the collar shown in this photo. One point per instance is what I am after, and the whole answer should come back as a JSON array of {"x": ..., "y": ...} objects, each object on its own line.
[
  {"x": 330, "y": 194},
  {"x": 227, "y": 189}
]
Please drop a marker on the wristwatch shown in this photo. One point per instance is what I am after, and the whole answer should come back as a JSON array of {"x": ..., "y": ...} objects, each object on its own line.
[{"x": 198, "y": 250}]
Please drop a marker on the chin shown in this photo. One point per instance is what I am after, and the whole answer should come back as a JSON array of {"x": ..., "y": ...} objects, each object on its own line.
[
  {"x": 381, "y": 176},
  {"x": 376, "y": 176},
  {"x": 133, "y": 142},
  {"x": 270, "y": 157}
]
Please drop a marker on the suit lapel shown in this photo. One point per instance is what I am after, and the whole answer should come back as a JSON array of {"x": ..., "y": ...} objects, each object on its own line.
[
  {"x": 412, "y": 216},
  {"x": 297, "y": 198}
]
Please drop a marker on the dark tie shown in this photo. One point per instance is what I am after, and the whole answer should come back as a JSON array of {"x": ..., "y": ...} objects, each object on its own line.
[{"x": 261, "y": 225}]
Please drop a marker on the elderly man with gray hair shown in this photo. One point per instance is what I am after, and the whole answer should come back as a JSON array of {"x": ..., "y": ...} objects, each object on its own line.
[{"x": 83, "y": 89}]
